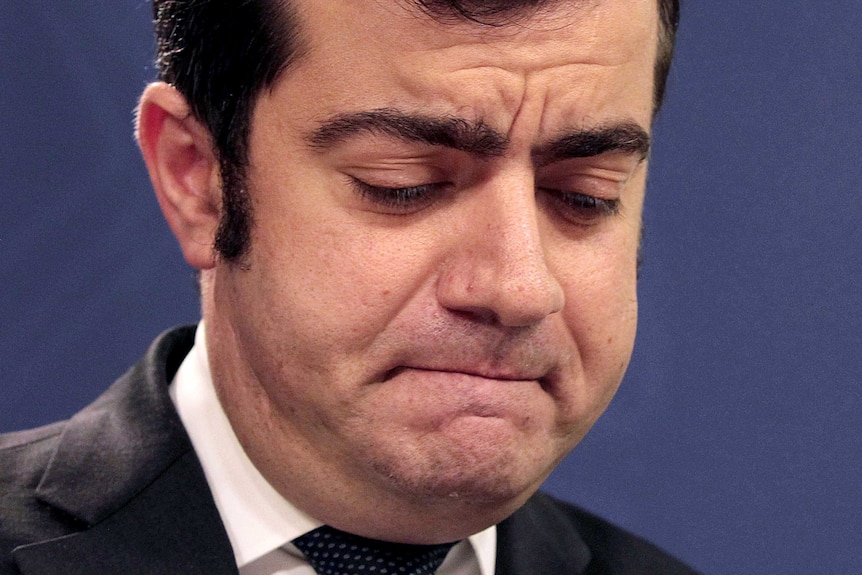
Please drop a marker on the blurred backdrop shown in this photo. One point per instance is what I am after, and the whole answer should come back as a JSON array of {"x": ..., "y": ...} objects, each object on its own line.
[{"x": 736, "y": 439}]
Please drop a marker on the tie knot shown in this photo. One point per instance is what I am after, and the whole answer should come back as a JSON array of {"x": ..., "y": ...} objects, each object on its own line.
[{"x": 334, "y": 552}]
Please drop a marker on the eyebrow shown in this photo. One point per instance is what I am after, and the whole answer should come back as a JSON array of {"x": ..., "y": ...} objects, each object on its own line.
[
  {"x": 478, "y": 138},
  {"x": 626, "y": 137}
]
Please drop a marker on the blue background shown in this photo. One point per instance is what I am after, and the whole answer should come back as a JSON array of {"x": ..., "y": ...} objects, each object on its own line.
[{"x": 736, "y": 439}]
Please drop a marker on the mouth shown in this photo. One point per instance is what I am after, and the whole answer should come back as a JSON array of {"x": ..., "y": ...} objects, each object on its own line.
[
  {"x": 498, "y": 375},
  {"x": 441, "y": 395}
]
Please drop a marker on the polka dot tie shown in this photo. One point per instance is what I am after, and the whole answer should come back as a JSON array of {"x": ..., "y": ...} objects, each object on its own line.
[{"x": 334, "y": 552}]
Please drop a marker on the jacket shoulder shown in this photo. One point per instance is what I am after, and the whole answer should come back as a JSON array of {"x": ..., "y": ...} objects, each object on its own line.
[
  {"x": 65, "y": 478},
  {"x": 607, "y": 548},
  {"x": 24, "y": 456}
]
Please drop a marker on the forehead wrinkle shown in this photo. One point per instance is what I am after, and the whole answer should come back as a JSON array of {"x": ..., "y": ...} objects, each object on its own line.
[
  {"x": 554, "y": 32},
  {"x": 562, "y": 29},
  {"x": 558, "y": 71}
]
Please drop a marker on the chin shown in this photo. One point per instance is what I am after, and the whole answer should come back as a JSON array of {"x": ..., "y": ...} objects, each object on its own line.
[{"x": 482, "y": 464}]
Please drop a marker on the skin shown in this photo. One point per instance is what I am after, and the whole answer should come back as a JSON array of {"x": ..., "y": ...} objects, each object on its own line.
[{"x": 412, "y": 367}]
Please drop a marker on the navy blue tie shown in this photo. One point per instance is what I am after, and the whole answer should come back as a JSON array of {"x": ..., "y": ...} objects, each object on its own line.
[{"x": 334, "y": 552}]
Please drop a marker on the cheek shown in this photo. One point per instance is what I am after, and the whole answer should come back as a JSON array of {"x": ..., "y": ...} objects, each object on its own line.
[
  {"x": 604, "y": 307},
  {"x": 601, "y": 318},
  {"x": 603, "y": 325},
  {"x": 334, "y": 282}
]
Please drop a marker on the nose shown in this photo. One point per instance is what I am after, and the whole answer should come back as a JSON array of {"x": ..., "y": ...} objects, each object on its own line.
[{"x": 498, "y": 267}]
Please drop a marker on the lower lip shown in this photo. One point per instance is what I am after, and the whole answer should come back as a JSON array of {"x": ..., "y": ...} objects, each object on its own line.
[
  {"x": 452, "y": 377},
  {"x": 463, "y": 392}
]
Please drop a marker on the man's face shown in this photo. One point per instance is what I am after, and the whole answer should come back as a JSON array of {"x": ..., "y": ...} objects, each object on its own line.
[{"x": 439, "y": 300}]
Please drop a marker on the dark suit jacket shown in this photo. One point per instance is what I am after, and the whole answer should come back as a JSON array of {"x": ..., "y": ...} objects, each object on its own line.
[{"x": 118, "y": 489}]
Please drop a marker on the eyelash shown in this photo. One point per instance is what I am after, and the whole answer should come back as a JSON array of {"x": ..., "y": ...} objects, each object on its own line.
[
  {"x": 581, "y": 208},
  {"x": 585, "y": 208},
  {"x": 406, "y": 199}
]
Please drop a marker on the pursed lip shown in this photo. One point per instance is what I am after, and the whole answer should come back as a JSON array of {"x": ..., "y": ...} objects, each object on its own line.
[
  {"x": 467, "y": 391},
  {"x": 489, "y": 374}
]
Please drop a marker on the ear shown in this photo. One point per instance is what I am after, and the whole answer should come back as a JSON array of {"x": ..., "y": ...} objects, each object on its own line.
[{"x": 184, "y": 170}]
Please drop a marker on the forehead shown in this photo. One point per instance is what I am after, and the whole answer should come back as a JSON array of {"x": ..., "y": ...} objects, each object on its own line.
[{"x": 583, "y": 61}]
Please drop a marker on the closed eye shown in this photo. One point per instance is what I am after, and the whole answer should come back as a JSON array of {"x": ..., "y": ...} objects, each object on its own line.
[
  {"x": 582, "y": 209},
  {"x": 399, "y": 200}
]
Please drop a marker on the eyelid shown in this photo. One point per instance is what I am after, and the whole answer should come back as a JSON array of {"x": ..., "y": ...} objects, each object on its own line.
[
  {"x": 610, "y": 166},
  {"x": 608, "y": 174},
  {"x": 586, "y": 186},
  {"x": 394, "y": 171},
  {"x": 582, "y": 210},
  {"x": 398, "y": 199}
]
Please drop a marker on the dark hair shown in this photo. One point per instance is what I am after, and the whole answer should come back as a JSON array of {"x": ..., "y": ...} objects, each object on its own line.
[{"x": 220, "y": 55}]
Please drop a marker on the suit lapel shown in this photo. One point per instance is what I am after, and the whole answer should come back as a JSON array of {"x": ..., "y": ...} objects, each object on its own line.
[
  {"x": 171, "y": 526},
  {"x": 125, "y": 470},
  {"x": 539, "y": 539}
]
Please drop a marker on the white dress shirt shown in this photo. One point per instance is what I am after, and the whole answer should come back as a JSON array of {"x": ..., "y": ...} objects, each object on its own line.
[{"x": 259, "y": 522}]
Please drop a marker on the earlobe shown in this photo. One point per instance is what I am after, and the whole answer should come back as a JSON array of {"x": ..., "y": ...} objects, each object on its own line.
[{"x": 183, "y": 167}]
